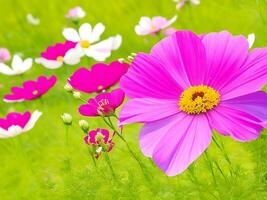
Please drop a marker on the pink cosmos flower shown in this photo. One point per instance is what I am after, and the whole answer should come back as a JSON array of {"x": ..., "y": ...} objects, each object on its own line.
[
  {"x": 16, "y": 123},
  {"x": 152, "y": 26},
  {"x": 101, "y": 76},
  {"x": 75, "y": 13},
  {"x": 31, "y": 89},
  {"x": 4, "y": 55},
  {"x": 101, "y": 140},
  {"x": 55, "y": 56},
  {"x": 103, "y": 104},
  {"x": 189, "y": 85}
]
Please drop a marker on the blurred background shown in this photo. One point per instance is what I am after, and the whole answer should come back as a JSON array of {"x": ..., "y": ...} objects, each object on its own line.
[{"x": 34, "y": 165}]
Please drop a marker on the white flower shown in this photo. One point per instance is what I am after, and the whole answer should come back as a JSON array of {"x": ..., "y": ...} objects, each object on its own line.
[
  {"x": 18, "y": 66},
  {"x": 14, "y": 130},
  {"x": 251, "y": 39},
  {"x": 152, "y": 26},
  {"x": 75, "y": 13},
  {"x": 181, "y": 3},
  {"x": 32, "y": 20},
  {"x": 87, "y": 41}
]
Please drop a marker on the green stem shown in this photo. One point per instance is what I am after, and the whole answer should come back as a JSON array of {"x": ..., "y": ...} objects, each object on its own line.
[
  {"x": 211, "y": 168},
  {"x": 110, "y": 165},
  {"x": 90, "y": 150},
  {"x": 143, "y": 168}
]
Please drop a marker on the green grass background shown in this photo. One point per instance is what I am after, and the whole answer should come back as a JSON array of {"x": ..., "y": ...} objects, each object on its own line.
[{"x": 34, "y": 165}]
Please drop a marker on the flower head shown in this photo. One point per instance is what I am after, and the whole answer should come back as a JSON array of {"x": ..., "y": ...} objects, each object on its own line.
[
  {"x": 75, "y": 13},
  {"x": 66, "y": 118},
  {"x": 18, "y": 66},
  {"x": 181, "y": 3},
  {"x": 103, "y": 104},
  {"x": 87, "y": 39},
  {"x": 32, "y": 20},
  {"x": 55, "y": 56},
  {"x": 152, "y": 26},
  {"x": 31, "y": 89},
  {"x": 4, "y": 55},
  {"x": 100, "y": 77},
  {"x": 190, "y": 85},
  {"x": 16, "y": 123},
  {"x": 101, "y": 140}
]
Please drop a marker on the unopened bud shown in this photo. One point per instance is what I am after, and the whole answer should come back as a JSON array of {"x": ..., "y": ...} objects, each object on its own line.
[
  {"x": 77, "y": 95},
  {"x": 68, "y": 87},
  {"x": 84, "y": 125},
  {"x": 66, "y": 118}
]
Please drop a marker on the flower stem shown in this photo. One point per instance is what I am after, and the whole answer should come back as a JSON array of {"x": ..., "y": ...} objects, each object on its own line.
[
  {"x": 211, "y": 167},
  {"x": 143, "y": 168},
  {"x": 110, "y": 165},
  {"x": 90, "y": 150}
]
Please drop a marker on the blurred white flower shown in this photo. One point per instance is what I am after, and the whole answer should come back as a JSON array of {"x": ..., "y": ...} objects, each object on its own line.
[
  {"x": 181, "y": 3},
  {"x": 251, "y": 39},
  {"x": 33, "y": 20},
  {"x": 153, "y": 25},
  {"x": 18, "y": 66},
  {"x": 75, "y": 13},
  {"x": 169, "y": 31},
  {"x": 87, "y": 41}
]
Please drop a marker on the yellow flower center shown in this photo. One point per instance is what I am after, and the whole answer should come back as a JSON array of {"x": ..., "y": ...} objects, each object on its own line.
[
  {"x": 153, "y": 27},
  {"x": 198, "y": 99},
  {"x": 85, "y": 44},
  {"x": 60, "y": 58},
  {"x": 35, "y": 92}
]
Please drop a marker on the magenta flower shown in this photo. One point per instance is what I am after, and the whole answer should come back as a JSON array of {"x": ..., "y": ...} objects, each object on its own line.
[
  {"x": 100, "y": 77},
  {"x": 31, "y": 89},
  {"x": 16, "y": 123},
  {"x": 189, "y": 85},
  {"x": 101, "y": 141},
  {"x": 55, "y": 56},
  {"x": 103, "y": 104}
]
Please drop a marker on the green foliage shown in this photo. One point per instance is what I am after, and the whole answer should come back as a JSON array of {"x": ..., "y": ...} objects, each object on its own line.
[{"x": 39, "y": 164}]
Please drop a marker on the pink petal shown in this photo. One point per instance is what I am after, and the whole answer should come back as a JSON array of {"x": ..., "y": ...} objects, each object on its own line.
[
  {"x": 147, "y": 110},
  {"x": 237, "y": 124},
  {"x": 182, "y": 143},
  {"x": 225, "y": 56},
  {"x": 250, "y": 78},
  {"x": 148, "y": 78},
  {"x": 254, "y": 104},
  {"x": 183, "y": 56},
  {"x": 18, "y": 119}
]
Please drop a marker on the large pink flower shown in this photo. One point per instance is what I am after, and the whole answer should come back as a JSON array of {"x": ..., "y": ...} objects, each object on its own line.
[
  {"x": 54, "y": 56},
  {"x": 101, "y": 76},
  {"x": 103, "y": 104},
  {"x": 16, "y": 123},
  {"x": 189, "y": 85},
  {"x": 31, "y": 89}
]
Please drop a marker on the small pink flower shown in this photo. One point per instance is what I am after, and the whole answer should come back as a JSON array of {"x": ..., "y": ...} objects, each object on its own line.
[
  {"x": 54, "y": 56},
  {"x": 181, "y": 3},
  {"x": 103, "y": 104},
  {"x": 31, "y": 89},
  {"x": 75, "y": 13},
  {"x": 152, "y": 26},
  {"x": 16, "y": 123},
  {"x": 4, "y": 55},
  {"x": 169, "y": 31},
  {"x": 101, "y": 140},
  {"x": 101, "y": 76}
]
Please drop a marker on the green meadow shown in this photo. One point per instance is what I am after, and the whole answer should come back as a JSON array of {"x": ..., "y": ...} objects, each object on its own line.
[{"x": 40, "y": 165}]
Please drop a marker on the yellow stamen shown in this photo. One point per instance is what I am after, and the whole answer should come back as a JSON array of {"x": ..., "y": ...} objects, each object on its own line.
[
  {"x": 85, "y": 44},
  {"x": 60, "y": 58},
  {"x": 198, "y": 99},
  {"x": 35, "y": 92},
  {"x": 153, "y": 27}
]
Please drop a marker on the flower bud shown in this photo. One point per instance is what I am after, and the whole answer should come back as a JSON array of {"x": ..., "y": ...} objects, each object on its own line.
[
  {"x": 68, "y": 87},
  {"x": 77, "y": 95},
  {"x": 66, "y": 118},
  {"x": 84, "y": 125}
]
